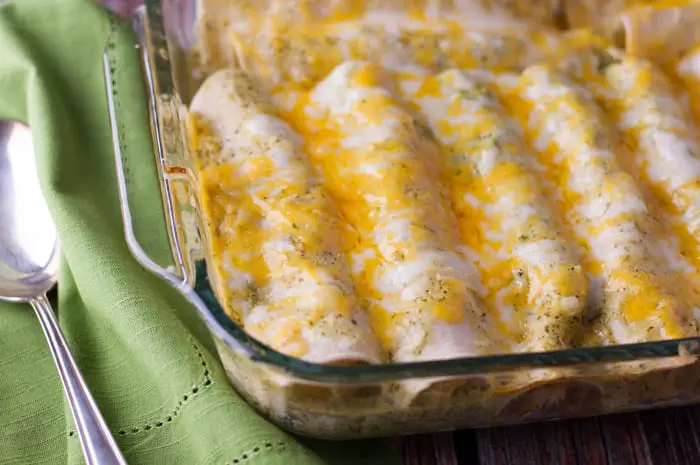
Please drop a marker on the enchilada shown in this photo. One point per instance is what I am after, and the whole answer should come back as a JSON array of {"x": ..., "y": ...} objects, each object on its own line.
[
  {"x": 286, "y": 280},
  {"x": 380, "y": 166},
  {"x": 527, "y": 263},
  {"x": 607, "y": 211}
]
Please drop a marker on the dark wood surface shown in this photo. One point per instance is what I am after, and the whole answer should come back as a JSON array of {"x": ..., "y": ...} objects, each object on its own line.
[{"x": 656, "y": 437}]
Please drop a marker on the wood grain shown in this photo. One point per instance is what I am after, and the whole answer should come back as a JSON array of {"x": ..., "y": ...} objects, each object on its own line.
[
  {"x": 655, "y": 437},
  {"x": 588, "y": 441},
  {"x": 671, "y": 435},
  {"x": 419, "y": 450},
  {"x": 624, "y": 439},
  {"x": 658, "y": 437}
]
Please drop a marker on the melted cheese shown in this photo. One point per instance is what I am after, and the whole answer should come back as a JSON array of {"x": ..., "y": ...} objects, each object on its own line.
[
  {"x": 409, "y": 193},
  {"x": 661, "y": 135},
  {"x": 421, "y": 285},
  {"x": 286, "y": 275},
  {"x": 281, "y": 44},
  {"x": 579, "y": 150},
  {"x": 528, "y": 267}
]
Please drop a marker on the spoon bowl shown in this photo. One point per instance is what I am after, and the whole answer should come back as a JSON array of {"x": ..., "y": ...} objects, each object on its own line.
[
  {"x": 29, "y": 248},
  {"x": 29, "y": 256}
]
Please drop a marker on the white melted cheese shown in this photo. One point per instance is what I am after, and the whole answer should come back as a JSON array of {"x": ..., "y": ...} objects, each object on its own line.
[
  {"x": 679, "y": 158},
  {"x": 371, "y": 135},
  {"x": 601, "y": 208},
  {"x": 543, "y": 252},
  {"x": 690, "y": 64},
  {"x": 262, "y": 124},
  {"x": 359, "y": 260}
]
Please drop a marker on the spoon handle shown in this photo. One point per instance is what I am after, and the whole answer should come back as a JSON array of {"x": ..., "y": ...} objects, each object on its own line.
[{"x": 99, "y": 447}]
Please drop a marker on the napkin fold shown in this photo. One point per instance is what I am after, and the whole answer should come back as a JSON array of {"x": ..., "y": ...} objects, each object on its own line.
[{"x": 145, "y": 354}]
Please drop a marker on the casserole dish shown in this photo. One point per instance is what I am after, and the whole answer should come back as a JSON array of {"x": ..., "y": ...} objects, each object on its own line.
[{"x": 351, "y": 400}]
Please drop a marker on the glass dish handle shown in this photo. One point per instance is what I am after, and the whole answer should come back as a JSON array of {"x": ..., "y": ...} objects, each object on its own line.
[{"x": 179, "y": 282}]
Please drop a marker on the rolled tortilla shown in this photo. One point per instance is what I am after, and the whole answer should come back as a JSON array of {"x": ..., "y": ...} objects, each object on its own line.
[
  {"x": 603, "y": 16},
  {"x": 284, "y": 42},
  {"x": 661, "y": 31},
  {"x": 526, "y": 261},
  {"x": 380, "y": 168},
  {"x": 304, "y": 58},
  {"x": 688, "y": 70},
  {"x": 661, "y": 133},
  {"x": 277, "y": 238},
  {"x": 476, "y": 13},
  {"x": 636, "y": 300}
]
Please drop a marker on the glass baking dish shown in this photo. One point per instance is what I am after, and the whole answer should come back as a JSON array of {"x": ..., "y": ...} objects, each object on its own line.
[{"x": 342, "y": 402}]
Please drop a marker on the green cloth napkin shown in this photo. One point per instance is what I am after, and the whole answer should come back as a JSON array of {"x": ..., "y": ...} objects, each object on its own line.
[{"x": 146, "y": 356}]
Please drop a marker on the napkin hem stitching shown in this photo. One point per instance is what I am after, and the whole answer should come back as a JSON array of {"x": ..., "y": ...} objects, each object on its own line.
[
  {"x": 184, "y": 399},
  {"x": 206, "y": 378},
  {"x": 267, "y": 446}
]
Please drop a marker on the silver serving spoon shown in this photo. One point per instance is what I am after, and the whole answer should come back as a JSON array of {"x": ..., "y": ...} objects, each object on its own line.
[{"x": 28, "y": 270}]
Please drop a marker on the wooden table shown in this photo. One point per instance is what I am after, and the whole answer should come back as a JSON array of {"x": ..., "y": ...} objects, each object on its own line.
[{"x": 658, "y": 437}]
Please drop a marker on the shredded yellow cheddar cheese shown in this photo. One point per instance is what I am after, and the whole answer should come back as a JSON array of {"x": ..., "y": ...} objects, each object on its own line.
[{"x": 426, "y": 189}]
